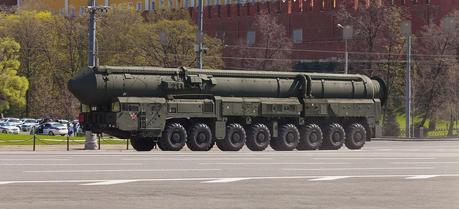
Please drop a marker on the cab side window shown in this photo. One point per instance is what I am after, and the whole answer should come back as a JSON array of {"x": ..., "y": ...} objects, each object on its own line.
[{"x": 130, "y": 107}]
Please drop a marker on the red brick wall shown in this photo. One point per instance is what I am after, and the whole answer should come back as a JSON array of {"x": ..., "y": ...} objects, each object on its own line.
[
  {"x": 8, "y": 2},
  {"x": 320, "y": 32}
]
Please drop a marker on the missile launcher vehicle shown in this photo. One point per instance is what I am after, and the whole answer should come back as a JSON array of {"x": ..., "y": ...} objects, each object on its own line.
[{"x": 177, "y": 107}]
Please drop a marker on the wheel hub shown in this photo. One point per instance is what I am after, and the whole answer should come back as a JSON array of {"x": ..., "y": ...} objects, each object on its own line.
[
  {"x": 313, "y": 137},
  {"x": 236, "y": 138},
  {"x": 175, "y": 138},
  {"x": 336, "y": 137},
  {"x": 261, "y": 137},
  {"x": 202, "y": 138},
  {"x": 358, "y": 137},
  {"x": 290, "y": 137}
]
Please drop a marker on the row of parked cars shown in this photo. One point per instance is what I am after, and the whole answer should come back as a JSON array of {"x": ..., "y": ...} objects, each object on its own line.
[{"x": 40, "y": 126}]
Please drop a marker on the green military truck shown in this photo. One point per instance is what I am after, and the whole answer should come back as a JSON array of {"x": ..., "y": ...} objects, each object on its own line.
[{"x": 174, "y": 107}]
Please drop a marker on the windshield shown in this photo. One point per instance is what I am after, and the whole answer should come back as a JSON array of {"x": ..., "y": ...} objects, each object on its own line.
[
  {"x": 58, "y": 125},
  {"x": 30, "y": 121},
  {"x": 14, "y": 121}
]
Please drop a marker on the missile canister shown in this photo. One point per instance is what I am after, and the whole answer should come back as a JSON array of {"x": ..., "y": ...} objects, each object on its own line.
[{"x": 100, "y": 85}]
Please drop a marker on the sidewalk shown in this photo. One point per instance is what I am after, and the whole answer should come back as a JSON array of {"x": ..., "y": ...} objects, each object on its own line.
[
  {"x": 61, "y": 147},
  {"x": 416, "y": 139}
]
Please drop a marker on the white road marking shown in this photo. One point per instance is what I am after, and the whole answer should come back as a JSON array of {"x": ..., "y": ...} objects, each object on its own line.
[
  {"x": 329, "y": 178},
  {"x": 191, "y": 158},
  {"x": 399, "y": 150},
  {"x": 255, "y": 163},
  {"x": 422, "y": 177},
  {"x": 68, "y": 164},
  {"x": 424, "y": 162},
  {"x": 374, "y": 158},
  {"x": 114, "y": 181},
  {"x": 225, "y": 180},
  {"x": 345, "y": 169},
  {"x": 121, "y": 170},
  {"x": 34, "y": 159},
  {"x": 6, "y": 182},
  {"x": 110, "y": 182}
]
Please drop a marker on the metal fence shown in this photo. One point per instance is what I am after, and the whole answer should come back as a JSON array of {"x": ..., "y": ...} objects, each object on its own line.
[
  {"x": 36, "y": 139},
  {"x": 437, "y": 133}
]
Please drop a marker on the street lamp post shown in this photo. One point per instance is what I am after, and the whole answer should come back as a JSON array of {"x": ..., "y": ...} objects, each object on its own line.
[
  {"x": 199, "y": 36},
  {"x": 348, "y": 31},
  {"x": 406, "y": 31},
  {"x": 90, "y": 142}
]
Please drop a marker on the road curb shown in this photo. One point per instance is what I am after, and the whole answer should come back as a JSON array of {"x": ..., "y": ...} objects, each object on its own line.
[{"x": 416, "y": 140}]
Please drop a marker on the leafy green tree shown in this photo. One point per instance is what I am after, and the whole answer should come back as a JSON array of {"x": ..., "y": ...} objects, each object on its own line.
[
  {"x": 28, "y": 29},
  {"x": 12, "y": 86},
  {"x": 54, "y": 48},
  {"x": 170, "y": 43},
  {"x": 377, "y": 37},
  {"x": 435, "y": 80},
  {"x": 160, "y": 39},
  {"x": 272, "y": 47},
  {"x": 375, "y": 27}
]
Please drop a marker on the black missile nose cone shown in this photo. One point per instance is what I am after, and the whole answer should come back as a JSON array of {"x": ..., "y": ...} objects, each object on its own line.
[{"x": 83, "y": 86}]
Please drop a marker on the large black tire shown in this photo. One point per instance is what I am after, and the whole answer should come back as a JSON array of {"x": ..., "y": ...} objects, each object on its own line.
[
  {"x": 143, "y": 144},
  {"x": 311, "y": 137},
  {"x": 200, "y": 138},
  {"x": 174, "y": 138},
  {"x": 258, "y": 137},
  {"x": 356, "y": 135},
  {"x": 334, "y": 136},
  {"x": 234, "y": 140},
  {"x": 288, "y": 139}
]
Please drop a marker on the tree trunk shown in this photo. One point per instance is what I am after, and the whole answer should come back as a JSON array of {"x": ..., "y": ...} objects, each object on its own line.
[
  {"x": 433, "y": 123},
  {"x": 451, "y": 124},
  {"x": 424, "y": 119}
]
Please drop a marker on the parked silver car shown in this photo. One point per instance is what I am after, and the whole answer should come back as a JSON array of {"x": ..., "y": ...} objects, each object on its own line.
[
  {"x": 28, "y": 124},
  {"x": 51, "y": 128},
  {"x": 12, "y": 121},
  {"x": 8, "y": 128}
]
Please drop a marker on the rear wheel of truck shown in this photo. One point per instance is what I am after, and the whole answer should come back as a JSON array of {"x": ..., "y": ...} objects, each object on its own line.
[
  {"x": 234, "y": 140},
  {"x": 200, "y": 138},
  {"x": 174, "y": 138},
  {"x": 334, "y": 136},
  {"x": 143, "y": 144},
  {"x": 356, "y": 135},
  {"x": 258, "y": 137},
  {"x": 311, "y": 137},
  {"x": 288, "y": 139}
]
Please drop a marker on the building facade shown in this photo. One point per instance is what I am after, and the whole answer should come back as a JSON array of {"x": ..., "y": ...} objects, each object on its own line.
[
  {"x": 9, "y": 3},
  {"x": 311, "y": 24}
]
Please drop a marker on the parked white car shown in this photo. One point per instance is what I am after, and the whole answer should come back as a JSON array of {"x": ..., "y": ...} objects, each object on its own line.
[
  {"x": 28, "y": 125},
  {"x": 13, "y": 121},
  {"x": 52, "y": 128},
  {"x": 8, "y": 128}
]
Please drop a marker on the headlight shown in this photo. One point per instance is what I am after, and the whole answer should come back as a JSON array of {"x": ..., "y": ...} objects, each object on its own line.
[{"x": 116, "y": 107}]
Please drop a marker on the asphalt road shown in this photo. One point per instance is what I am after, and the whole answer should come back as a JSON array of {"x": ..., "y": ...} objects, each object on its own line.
[{"x": 385, "y": 174}]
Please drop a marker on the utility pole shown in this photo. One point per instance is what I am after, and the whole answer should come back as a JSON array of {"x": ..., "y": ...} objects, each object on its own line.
[
  {"x": 91, "y": 139},
  {"x": 93, "y": 9},
  {"x": 406, "y": 30},
  {"x": 200, "y": 35},
  {"x": 348, "y": 32},
  {"x": 92, "y": 34}
]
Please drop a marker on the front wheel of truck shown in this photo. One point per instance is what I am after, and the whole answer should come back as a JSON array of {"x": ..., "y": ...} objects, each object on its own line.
[{"x": 143, "y": 144}]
